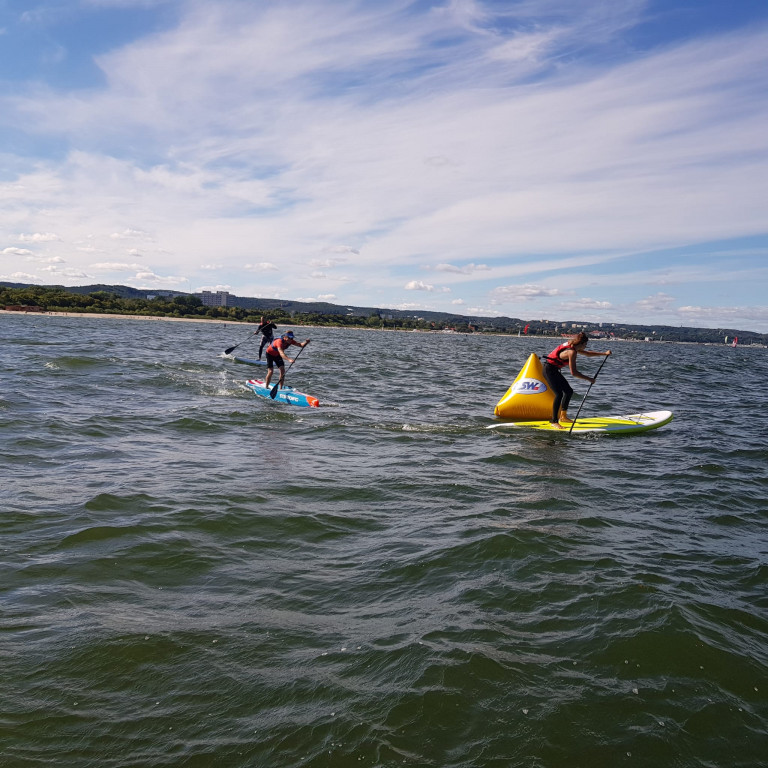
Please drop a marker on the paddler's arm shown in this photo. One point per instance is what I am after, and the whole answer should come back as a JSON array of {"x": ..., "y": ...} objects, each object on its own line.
[
  {"x": 590, "y": 353},
  {"x": 571, "y": 354}
]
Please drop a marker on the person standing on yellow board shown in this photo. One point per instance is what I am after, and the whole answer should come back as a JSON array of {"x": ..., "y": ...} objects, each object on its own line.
[{"x": 554, "y": 363}]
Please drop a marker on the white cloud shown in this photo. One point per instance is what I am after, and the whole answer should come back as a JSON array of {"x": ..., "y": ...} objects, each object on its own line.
[
  {"x": 151, "y": 277},
  {"x": 74, "y": 274},
  {"x": 585, "y": 304},
  {"x": 116, "y": 266},
  {"x": 342, "y": 249},
  {"x": 319, "y": 297},
  {"x": 467, "y": 269},
  {"x": 407, "y": 306},
  {"x": 327, "y": 263},
  {"x": 659, "y": 302},
  {"x": 262, "y": 266},
  {"x": 724, "y": 316},
  {"x": 21, "y": 277},
  {"x": 211, "y": 266},
  {"x": 526, "y": 292},
  {"x": 129, "y": 234},
  {"x": 38, "y": 237},
  {"x": 16, "y": 252},
  {"x": 418, "y": 285}
]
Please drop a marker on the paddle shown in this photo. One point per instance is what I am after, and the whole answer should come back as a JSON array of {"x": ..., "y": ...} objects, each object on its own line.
[
  {"x": 583, "y": 399},
  {"x": 273, "y": 391},
  {"x": 230, "y": 350}
]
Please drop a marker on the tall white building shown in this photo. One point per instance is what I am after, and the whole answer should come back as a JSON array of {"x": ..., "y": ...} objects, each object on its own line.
[{"x": 211, "y": 299}]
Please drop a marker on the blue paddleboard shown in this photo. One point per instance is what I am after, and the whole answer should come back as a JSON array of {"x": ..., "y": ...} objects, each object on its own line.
[
  {"x": 248, "y": 361},
  {"x": 287, "y": 395}
]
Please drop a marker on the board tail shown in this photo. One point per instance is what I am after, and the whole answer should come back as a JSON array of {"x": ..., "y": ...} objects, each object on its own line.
[{"x": 529, "y": 398}]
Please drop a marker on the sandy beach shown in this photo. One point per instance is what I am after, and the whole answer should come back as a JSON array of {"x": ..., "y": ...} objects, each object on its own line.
[
  {"x": 126, "y": 317},
  {"x": 202, "y": 320}
]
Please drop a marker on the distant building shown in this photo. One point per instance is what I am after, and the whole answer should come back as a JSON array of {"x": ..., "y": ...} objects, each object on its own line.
[{"x": 217, "y": 299}]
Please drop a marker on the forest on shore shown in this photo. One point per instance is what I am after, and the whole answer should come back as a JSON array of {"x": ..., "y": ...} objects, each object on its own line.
[
  {"x": 190, "y": 306},
  {"x": 55, "y": 299}
]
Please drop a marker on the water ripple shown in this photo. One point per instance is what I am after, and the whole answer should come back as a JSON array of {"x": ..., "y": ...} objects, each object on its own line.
[{"x": 192, "y": 576}]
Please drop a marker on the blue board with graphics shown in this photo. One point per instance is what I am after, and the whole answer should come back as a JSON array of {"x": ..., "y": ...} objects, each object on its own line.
[{"x": 287, "y": 395}]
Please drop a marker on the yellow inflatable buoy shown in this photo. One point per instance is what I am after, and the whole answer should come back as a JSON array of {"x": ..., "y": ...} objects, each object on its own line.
[{"x": 529, "y": 398}]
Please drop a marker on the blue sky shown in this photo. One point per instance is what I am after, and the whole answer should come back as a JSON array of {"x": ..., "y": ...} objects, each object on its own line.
[{"x": 542, "y": 159}]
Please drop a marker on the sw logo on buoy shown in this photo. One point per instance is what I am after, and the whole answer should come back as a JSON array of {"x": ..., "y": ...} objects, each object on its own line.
[{"x": 529, "y": 387}]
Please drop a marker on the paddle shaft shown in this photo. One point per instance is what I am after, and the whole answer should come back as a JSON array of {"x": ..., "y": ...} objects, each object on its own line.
[
  {"x": 583, "y": 399},
  {"x": 273, "y": 391},
  {"x": 230, "y": 350}
]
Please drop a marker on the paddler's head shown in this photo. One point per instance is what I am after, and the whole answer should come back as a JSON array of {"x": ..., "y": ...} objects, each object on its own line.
[
  {"x": 288, "y": 335},
  {"x": 580, "y": 340}
]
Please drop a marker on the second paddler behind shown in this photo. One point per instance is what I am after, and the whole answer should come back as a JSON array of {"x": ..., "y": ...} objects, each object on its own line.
[
  {"x": 276, "y": 355},
  {"x": 554, "y": 363}
]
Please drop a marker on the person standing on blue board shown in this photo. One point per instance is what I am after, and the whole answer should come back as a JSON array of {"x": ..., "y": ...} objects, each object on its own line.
[
  {"x": 276, "y": 355},
  {"x": 554, "y": 363},
  {"x": 266, "y": 329}
]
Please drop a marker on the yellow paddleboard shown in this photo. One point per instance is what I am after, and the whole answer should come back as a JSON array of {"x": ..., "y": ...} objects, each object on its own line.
[{"x": 635, "y": 422}]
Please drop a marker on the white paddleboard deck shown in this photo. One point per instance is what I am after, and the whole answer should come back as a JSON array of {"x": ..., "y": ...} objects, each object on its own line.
[{"x": 634, "y": 422}]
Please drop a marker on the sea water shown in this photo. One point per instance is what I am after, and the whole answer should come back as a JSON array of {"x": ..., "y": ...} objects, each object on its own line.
[{"x": 194, "y": 576}]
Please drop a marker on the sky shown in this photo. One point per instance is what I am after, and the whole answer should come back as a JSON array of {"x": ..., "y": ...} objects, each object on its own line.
[{"x": 594, "y": 160}]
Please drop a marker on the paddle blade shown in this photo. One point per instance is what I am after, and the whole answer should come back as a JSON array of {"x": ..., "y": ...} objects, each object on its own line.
[
  {"x": 230, "y": 350},
  {"x": 273, "y": 391}
]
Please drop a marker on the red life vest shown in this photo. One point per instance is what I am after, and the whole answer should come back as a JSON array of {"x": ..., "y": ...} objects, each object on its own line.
[
  {"x": 553, "y": 358},
  {"x": 278, "y": 344},
  {"x": 281, "y": 343}
]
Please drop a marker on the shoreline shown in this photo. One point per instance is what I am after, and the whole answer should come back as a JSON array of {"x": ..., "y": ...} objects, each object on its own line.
[
  {"x": 220, "y": 321},
  {"x": 125, "y": 317}
]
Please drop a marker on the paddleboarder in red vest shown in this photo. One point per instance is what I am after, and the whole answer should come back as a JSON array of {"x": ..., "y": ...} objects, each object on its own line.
[
  {"x": 276, "y": 355},
  {"x": 554, "y": 363}
]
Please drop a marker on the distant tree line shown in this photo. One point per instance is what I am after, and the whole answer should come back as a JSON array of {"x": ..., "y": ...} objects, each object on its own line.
[
  {"x": 58, "y": 299},
  {"x": 55, "y": 299}
]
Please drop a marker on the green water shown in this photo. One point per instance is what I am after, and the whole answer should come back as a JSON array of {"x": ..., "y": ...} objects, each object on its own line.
[{"x": 194, "y": 576}]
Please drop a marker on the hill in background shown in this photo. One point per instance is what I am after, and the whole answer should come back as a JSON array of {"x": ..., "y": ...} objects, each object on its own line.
[{"x": 145, "y": 300}]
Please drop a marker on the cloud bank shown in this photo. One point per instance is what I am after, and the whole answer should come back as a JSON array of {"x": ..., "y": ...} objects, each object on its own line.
[{"x": 527, "y": 152}]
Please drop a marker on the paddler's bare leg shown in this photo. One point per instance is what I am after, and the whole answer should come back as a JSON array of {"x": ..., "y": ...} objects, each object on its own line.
[{"x": 564, "y": 417}]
